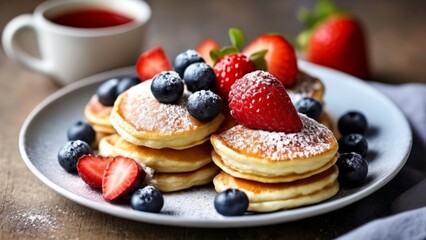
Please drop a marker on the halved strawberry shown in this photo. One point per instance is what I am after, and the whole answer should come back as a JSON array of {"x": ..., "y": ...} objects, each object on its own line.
[
  {"x": 204, "y": 49},
  {"x": 259, "y": 101},
  {"x": 121, "y": 176},
  {"x": 91, "y": 169},
  {"x": 280, "y": 57},
  {"x": 152, "y": 62}
]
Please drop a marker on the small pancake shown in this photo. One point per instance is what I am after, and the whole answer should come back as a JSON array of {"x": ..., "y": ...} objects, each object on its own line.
[
  {"x": 276, "y": 179},
  {"x": 98, "y": 114},
  {"x": 276, "y": 154},
  {"x": 106, "y": 144},
  {"x": 140, "y": 119},
  {"x": 166, "y": 160},
  {"x": 267, "y": 197},
  {"x": 170, "y": 182},
  {"x": 306, "y": 86}
]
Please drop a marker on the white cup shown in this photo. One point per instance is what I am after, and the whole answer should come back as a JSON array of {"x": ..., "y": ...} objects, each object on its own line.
[{"x": 71, "y": 53}]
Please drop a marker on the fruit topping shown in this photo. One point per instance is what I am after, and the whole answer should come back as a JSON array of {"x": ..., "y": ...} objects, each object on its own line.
[
  {"x": 352, "y": 122},
  {"x": 151, "y": 63},
  {"x": 121, "y": 176},
  {"x": 81, "y": 130},
  {"x": 167, "y": 87},
  {"x": 204, "y": 105},
  {"x": 230, "y": 68},
  {"x": 91, "y": 169},
  {"x": 231, "y": 202},
  {"x": 199, "y": 76},
  {"x": 259, "y": 101},
  {"x": 353, "y": 142},
  {"x": 184, "y": 59},
  {"x": 280, "y": 57},
  {"x": 310, "y": 107},
  {"x": 126, "y": 83},
  {"x": 204, "y": 49},
  {"x": 353, "y": 169},
  {"x": 334, "y": 38},
  {"x": 147, "y": 199},
  {"x": 107, "y": 92},
  {"x": 69, "y": 154}
]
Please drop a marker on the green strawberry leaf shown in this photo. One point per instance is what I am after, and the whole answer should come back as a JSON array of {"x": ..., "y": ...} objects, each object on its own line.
[
  {"x": 229, "y": 50},
  {"x": 215, "y": 54},
  {"x": 237, "y": 38},
  {"x": 259, "y": 59}
]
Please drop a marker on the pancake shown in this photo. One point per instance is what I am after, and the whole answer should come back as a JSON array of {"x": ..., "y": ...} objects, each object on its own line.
[
  {"x": 264, "y": 179},
  {"x": 98, "y": 114},
  {"x": 140, "y": 119},
  {"x": 170, "y": 182},
  {"x": 276, "y": 154},
  {"x": 166, "y": 160},
  {"x": 307, "y": 86},
  {"x": 106, "y": 144},
  {"x": 268, "y": 197}
]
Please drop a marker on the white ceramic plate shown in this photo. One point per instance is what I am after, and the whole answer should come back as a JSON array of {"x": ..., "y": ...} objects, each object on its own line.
[{"x": 44, "y": 133}]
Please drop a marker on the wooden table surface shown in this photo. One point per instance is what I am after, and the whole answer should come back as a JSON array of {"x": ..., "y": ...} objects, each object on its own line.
[{"x": 30, "y": 210}]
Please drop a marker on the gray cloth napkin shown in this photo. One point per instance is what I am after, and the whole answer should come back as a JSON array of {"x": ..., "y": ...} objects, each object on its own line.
[{"x": 406, "y": 211}]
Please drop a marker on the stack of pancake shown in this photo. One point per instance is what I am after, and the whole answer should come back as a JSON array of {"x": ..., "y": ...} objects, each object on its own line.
[
  {"x": 98, "y": 116},
  {"x": 164, "y": 138},
  {"x": 277, "y": 170}
]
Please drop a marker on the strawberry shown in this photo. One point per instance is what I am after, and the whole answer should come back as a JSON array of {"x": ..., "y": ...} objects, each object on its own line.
[
  {"x": 280, "y": 57},
  {"x": 259, "y": 101},
  {"x": 339, "y": 43},
  {"x": 204, "y": 49},
  {"x": 334, "y": 39},
  {"x": 121, "y": 176},
  {"x": 228, "y": 69},
  {"x": 152, "y": 62},
  {"x": 91, "y": 169}
]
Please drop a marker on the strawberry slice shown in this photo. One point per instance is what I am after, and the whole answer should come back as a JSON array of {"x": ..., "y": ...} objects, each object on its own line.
[
  {"x": 204, "y": 49},
  {"x": 91, "y": 169},
  {"x": 259, "y": 101},
  {"x": 280, "y": 57},
  {"x": 121, "y": 176},
  {"x": 152, "y": 62}
]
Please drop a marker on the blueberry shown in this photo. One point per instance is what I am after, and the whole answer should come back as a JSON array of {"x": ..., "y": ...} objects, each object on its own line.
[
  {"x": 309, "y": 106},
  {"x": 107, "y": 92},
  {"x": 353, "y": 169},
  {"x": 81, "y": 130},
  {"x": 353, "y": 142},
  {"x": 231, "y": 202},
  {"x": 204, "y": 105},
  {"x": 199, "y": 76},
  {"x": 126, "y": 83},
  {"x": 184, "y": 59},
  {"x": 70, "y": 153},
  {"x": 167, "y": 87},
  {"x": 147, "y": 199},
  {"x": 352, "y": 122}
]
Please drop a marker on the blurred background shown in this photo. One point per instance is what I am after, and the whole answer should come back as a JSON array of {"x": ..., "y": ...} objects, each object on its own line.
[{"x": 396, "y": 30}]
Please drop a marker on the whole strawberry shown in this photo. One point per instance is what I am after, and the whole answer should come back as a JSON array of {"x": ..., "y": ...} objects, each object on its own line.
[
  {"x": 228, "y": 69},
  {"x": 230, "y": 64},
  {"x": 259, "y": 101},
  {"x": 335, "y": 40}
]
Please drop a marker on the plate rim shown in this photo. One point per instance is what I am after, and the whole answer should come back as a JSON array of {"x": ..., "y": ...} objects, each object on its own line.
[{"x": 225, "y": 222}]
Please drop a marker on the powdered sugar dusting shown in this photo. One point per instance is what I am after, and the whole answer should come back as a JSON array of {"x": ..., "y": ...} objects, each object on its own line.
[
  {"x": 313, "y": 139},
  {"x": 144, "y": 112}
]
